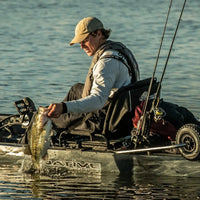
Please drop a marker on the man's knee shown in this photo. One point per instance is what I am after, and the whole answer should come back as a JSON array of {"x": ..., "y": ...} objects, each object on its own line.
[{"x": 75, "y": 92}]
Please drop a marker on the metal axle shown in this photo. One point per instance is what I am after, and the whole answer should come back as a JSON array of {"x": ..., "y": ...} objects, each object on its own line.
[{"x": 150, "y": 149}]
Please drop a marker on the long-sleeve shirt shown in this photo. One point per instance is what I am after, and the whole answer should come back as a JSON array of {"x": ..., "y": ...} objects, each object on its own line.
[{"x": 109, "y": 74}]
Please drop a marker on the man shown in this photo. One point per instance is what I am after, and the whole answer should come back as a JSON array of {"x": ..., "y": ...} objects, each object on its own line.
[{"x": 112, "y": 67}]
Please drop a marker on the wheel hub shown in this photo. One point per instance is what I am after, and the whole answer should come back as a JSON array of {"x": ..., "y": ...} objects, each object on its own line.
[{"x": 190, "y": 143}]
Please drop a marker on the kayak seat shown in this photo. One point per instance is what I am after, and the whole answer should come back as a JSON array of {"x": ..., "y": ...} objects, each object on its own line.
[{"x": 118, "y": 121}]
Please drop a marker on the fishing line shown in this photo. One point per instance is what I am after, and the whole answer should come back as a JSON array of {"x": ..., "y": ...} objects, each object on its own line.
[
  {"x": 151, "y": 83},
  {"x": 143, "y": 117},
  {"x": 159, "y": 85}
]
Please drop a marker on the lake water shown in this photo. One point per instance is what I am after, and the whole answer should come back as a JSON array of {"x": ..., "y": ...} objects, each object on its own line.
[
  {"x": 14, "y": 185},
  {"x": 36, "y": 61}
]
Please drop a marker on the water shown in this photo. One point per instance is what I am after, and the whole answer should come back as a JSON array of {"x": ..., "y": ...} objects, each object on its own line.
[
  {"x": 14, "y": 185},
  {"x": 36, "y": 61}
]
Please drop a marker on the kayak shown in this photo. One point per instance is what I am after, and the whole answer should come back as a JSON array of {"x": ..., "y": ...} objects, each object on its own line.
[
  {"x": 179, "y": 158},
  {"x": 61, "y": 161},
  {"x": 95, "y": 156}
]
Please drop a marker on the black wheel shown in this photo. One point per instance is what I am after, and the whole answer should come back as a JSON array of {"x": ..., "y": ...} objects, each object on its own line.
[{"x": 189, "y": 135}]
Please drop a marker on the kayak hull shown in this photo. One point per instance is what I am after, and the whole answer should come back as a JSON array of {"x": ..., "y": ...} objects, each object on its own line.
[{"x": 62, "y": 161}]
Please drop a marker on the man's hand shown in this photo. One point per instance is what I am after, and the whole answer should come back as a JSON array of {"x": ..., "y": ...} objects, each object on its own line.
[{"x": 55, "y": 110}]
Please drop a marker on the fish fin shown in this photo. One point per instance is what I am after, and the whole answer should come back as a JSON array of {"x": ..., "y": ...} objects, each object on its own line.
[
  {"x": 53, "y": 133},
  {"x": 27, "y": 150},
  {"x": 45, "y": 157},
  {"x": 36, "y": 164}
]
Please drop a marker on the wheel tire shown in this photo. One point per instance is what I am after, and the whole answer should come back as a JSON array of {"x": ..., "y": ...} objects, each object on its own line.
[{"x": 190, "y": 135}]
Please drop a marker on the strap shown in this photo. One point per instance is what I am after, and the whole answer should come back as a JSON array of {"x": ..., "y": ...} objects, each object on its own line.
[{"x": 120, "y": 59}]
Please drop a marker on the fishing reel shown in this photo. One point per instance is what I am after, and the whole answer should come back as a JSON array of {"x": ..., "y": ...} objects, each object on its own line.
[{"x": 158, "y": 114}]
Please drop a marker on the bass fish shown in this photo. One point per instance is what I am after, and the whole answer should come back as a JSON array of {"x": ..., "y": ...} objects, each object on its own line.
[{"x": 39, "y": 136}]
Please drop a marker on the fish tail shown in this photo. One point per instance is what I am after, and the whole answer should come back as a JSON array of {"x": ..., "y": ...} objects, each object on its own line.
[{"x": 36, "y": 164}]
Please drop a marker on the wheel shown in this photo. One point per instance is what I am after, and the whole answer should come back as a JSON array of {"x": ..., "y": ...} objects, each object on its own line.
[{"x": 189, "y": 134}]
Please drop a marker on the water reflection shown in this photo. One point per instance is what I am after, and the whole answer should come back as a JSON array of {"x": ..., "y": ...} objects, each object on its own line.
[
  {"x": 15, "y": 185},
  {"x": 36, "y": 63}
]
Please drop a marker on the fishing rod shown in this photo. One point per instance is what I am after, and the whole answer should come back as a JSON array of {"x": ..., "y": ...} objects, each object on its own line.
[
  {"x": 159, "y": 85},
  {"x": 161, "y": 42},
  {"x": 141, "y": 127},
  {"x": 156, "y": 99}
]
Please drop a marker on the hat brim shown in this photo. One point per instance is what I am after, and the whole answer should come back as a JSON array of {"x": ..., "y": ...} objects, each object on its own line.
[{"x": 78, "y": 38}]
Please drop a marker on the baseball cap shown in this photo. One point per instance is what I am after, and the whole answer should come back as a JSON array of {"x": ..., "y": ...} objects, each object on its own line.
[{"x": 85, "y": 27}]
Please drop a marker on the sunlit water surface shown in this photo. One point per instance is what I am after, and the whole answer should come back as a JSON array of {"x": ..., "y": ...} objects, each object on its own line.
[
  {"x": 36, "y": 61},
  {"x": 16, "y": 185}
]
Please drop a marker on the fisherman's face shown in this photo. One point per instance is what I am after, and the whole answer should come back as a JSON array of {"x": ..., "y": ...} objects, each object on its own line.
[{"x": 91, "y": 43}]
